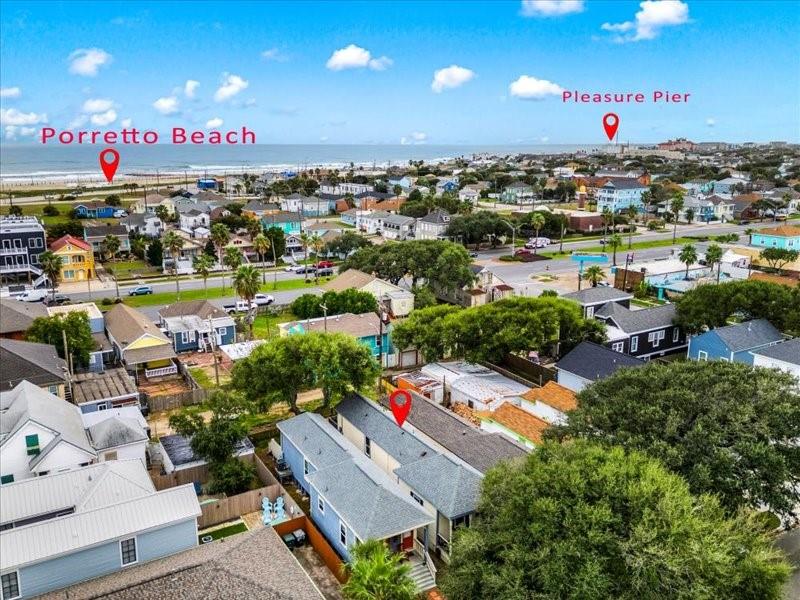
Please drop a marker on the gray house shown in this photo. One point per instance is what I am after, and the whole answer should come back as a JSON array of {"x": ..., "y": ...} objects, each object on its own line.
[
  {"x": 433, "y": 225},
  {"x": 589, "y": 362},
  {"x": 65, "y": 528},
  {"x": 196, "y": 325},
  {"x": 592, "y": 298}
]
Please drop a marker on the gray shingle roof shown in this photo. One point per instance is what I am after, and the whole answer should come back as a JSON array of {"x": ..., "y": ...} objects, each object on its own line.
[
  {"x": 16, "y": 315},
  {"x": 625, "y": 183},
  {"x": 788, "y": 351},
  {"x": 179, "y": 448},
  {"x": 116, "y": 431},
  {"x": 594, "y": 362},
  {"x": 304, "y": 433},
  {"x": 632, "y": 321},
  {"x": 598, "y": 295},
  {"x": 750, "y": 334},
  {"x": 37, "y": 363},
  {"x": 438, "y": 216}
]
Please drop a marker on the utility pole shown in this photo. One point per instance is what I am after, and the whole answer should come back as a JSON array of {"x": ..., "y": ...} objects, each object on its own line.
[
  {"x": 212, "y": 336},
  {"x": 67, "y": 356},
  {"x": 325, "y": 316}
]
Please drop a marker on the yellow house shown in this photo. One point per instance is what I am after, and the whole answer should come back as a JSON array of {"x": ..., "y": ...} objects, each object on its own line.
[
  {"x": 139, "y": 343},
  {"x": 77, "y": 258}
]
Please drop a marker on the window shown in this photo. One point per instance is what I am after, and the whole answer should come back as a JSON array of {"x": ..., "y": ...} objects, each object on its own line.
[
  {"x": 618, "y": 346},
  {"x": 702, "y": 355},
  {"x": 10, "y": 583},
  {"x": 32, "y": 444},
  {"x": 634, "y": 343},
  {"x": 127, "y": 549},
  {"x": 69, "y": 274},
  {"x": 53, "y": 389},
  {"x": 320, "y": 505},
  {"x": 676, "y": 334},
  {"x": 417, "y": 499},
  {"x": 589, "y": 312},
  {"x": 305, "y": 467},
  {"x": 6, "y": 479},
  {"x": 368, "y": 446},
  {"x": 110, "y": 456},
  {"x": 655, "y": 337},
  {"x": 222, "y": 331},
  {"x": 342, "y": 533},
  {"x": 184, "y": 337}
]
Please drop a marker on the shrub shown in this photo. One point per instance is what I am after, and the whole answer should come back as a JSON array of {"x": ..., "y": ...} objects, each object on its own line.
[
  {"x": 50, "y": 211},
  {"x": 107, "y": 301},
  {"x": 655, "y": 224}
]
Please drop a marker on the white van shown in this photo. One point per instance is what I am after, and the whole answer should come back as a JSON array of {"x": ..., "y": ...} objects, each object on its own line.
[
  {"x": 33, "y": 296},
  {"x": 540, "y": 242}
]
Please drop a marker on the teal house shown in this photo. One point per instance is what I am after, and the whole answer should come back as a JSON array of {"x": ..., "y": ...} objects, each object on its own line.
[
  {"x": 289, "y": 222},
  {"x": 786, "y": 237}
]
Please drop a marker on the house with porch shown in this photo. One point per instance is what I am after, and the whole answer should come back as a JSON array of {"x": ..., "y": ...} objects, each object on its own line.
[
  {"x": 399, "y": 301},
  {"x": 197, "y": 325},
  {"x": 96, "y": 234},
  {"x": 143, "y": 223},
  {"x": 77, "y": 258},
  {"x": 618, "y": 194},
  {"x": 734, "y": 343},
  {"x": 95, "y": 210},
  {"x": 433, "y": 225},
  {"x": 645, "y": 333},
  {"x": 352, "y": 499},
  {"x": 139, "y": 344},
  {"x": 398, "y": 227},
  {"x": 517, "y": 193},
  {"x": 785, "y": 237},
  {"x": 486, "y": 287}
]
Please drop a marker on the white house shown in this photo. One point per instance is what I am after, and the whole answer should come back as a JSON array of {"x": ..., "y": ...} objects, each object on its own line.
[
  {"x": 372, "y": 223},
  {"x": 344, "y": 187},
  {"x": 469, "y": 194},
  {"x": 784, "y": 356},
  {"x": 144, "y": 223},
  {"x": 398, "y": 227},
  {"x": 194, "y": 218},
  {"x": 40, "y": 433},
  {"x": 400, "y": 301},
  {"x": 118, "y": 433}
]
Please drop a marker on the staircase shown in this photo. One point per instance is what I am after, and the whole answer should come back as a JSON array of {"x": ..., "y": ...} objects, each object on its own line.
[{"x": 422, "y": 577}]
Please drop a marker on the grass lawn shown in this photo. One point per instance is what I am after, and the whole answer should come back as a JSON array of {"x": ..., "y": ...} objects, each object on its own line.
[
  {"x": 128, "y": 269},
  {"x": 214, "y": 292},
  {"x": 624, "y": 247},
  {"x": 224, "y": 532},
  {"x": 203, "y": 379},
  {"x": 266, "y": 326}
]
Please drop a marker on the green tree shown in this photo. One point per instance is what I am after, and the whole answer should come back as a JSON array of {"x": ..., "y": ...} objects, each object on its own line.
[
  {"x": 347, "y": 243},
  {"x": 676, "y": 206},
  {"x": 615, "y": 241},
  {"x": 277, "y": 241},
  {"x": 261, "y": 245},
  {"x": 162, "y": 212},
  {"x": 423, "y": 297},
  {"x": 173, "y": 243},
  {"x": 776, "y": 258},
  {"x": 376, "y": 573},
  {"x": 113, "y": 200},
  {"x": 48, "y": 330},
  {"x": 215, "y": 441},
  {"x": 232, "y": 258},
  {"x": 110, "y": 246},
  {"x": 584, "y": 521},
  {"x": 688, "y": 256},
  {"x": 246, "y": 284},
  {"x": 220, "y": 235},
  {"x": 202, "y": 264},
  {"x": 727, "y": 428},
  {"x": 594, "y": 274},
  {"x": 155, "y": 253},
  {"x": 51, "y": 264},
  {"x": 714, "y": 257}
]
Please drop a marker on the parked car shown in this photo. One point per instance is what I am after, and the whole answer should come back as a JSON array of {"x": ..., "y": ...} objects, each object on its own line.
[
  {"x": 325, "y": 272},
  {"x": 141, "y": 290},
  {"x": 305, "y": 269},
  {"x": 238, "y": 306},
  {"x": 263, "y": 300},
  {"x": 522, "y": 252},
  {"x": 33, "y": 295},
  {"x": 473, "y": 255},
  {"x": 58, "y": 300},
  {"x": 325, "y": 264},
  {"x": 120, "y": 214}
]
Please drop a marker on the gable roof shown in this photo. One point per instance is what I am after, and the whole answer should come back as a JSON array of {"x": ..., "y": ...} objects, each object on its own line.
[
  {"x": 16, "y": 315},
  {"x": 37, "y": 363},
  {"x": 624, "y": 183},
  {"x": 519, "y": 421},
  {"x": 202, "y": 308},
  {"x": 781, "y": 231},
  {"x": 554, "y": 395},
  {"x": 747, "y": 335},
  {"x": 594, "y": 362},
  {"x": 352, "y": 278},
  {"x": 786, "y": 351},
  {"x": 634, "y": 321},
  {"x": 438, "y": 216},
  {"x": 598, "y": 295},
  {"x": 363, "y": 325},
  {"x": 68, "y": 239},
  {"x": 104, "y": 230},
  {"x": 127, "y": 325}
]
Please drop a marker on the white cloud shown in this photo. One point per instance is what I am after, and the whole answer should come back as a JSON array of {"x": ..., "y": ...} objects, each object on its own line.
[
  {"x": 324, "y": 138},
  {"x": 416, "y": 137},
  {"x": 78, "y": 121},
  {"x": 355, "y": 57},
  {"x": 126, "y": 123},
  {"x": 711, "y": 121},
  {"x": 419, "y": 136},
  {"x": 651, "y": 18},
  {"x": 12, "y": 131},
  {"x": 530, "y": 88},
  {"x": 12, "y": 116},
  {"x": 231, "y": 85},
  {"x": 97, "y": 105},
  {"x": 87, "y": 61},
  {"x": 214, "y": 123},
  {"x": 544, "y": 139},
  {"x": 450, "y": 77},
  {"x": 274, "y": 54},
  {"x": 26, "y": 131},
  {"x": 105, "y": 118},
  {"x": 250, "y": 102},
  {"x": 551, "y": 8},
  {"x": 190, "y": 87},
  {"x": 10, "y": 92},
  {"x": 167, "y": 105}
]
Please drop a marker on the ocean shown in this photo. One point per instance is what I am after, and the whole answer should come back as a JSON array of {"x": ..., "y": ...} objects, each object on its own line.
[{"x": 36, "y": 164}]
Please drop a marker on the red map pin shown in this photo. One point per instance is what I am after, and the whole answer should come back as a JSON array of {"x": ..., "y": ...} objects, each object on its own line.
[
  {"x": 400, "y": 411},
  {"x": 610, "y": 124},
  {"x": 109, "y": 161}
]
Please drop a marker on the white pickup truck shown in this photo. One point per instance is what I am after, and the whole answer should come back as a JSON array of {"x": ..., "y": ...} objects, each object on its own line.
[{"x": 243, "y": 306}]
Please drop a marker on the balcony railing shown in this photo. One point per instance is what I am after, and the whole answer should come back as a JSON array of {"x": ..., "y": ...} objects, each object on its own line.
[
  {"x": 162, "y": 371},
  {"x": 13, "y": 251}
]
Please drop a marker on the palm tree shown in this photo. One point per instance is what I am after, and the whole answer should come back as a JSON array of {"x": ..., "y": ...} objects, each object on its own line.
[
  {"x": 138, "y": 246},
  {"x": 232, "y": 258},
  {"x": 317, "y": 244},
  {"x": 51, "y": 266},
  {"x": 608, "y": 217},
  {"x": 110, "y": 245},
  {"x": 689, "y": 215},
  {"x": 376, "y": 573},
  {"x": 615, "y": 241},
  {"x": 261, "y": 245},
  {"x": 305, "y": 241},
  {"x": 203, "y": 264},
  {"x": 537, "y": 222},
  {"x": 714, "y": 257},
  {"x": 220, "y": 235},
  {"x": 162, "y": 212},
  {"x": 647, "y": 199},
  {"x": 688, "y": 256},
  {"x": 246, "y": 284},
  {"x": 253, "y": 227},
  {"x": 594, "y": 274},
  {"x": 676, "y": 206},
  {"x": 173, "y": 243},
  {"x": 633, "y": 212}
]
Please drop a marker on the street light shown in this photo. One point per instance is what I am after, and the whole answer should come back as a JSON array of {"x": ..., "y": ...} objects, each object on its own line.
[{"x": 513, "y": 234}]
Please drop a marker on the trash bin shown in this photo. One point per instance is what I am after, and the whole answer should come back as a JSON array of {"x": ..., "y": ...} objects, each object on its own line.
[{"x": 300, "y": 537}]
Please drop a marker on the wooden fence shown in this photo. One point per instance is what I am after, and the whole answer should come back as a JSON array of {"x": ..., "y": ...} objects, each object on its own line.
[
  {"x": 538, "y": 374},
  {"x": 181, "y": 477},
  {"x": 318, "y": 542},
  {"x": 173, "y": 401},
  {"x": 233, "y": 507}
]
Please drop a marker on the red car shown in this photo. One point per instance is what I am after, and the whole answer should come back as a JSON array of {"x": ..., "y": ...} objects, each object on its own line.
[
  {"x": 522, "y": 252},
  {"x": 324, "y": 264}
]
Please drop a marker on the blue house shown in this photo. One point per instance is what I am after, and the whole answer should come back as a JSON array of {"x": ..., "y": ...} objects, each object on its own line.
[
  {"x": 61, "y": 529},
  {"x": 351, "y": 498},
  {"x": 364, "y": 327},
  {"x": 197, "y": 325},
  {"x": 620, "y": 193},
  {"x": 786, "y": 237},
  {"x": 94, "y": 210},
  {"x": 288, "y": 222},
  {"x": 734, "y": 343}
]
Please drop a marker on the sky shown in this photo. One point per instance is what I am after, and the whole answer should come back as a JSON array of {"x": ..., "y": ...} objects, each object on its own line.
[{"x": 452, "y": 72}]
